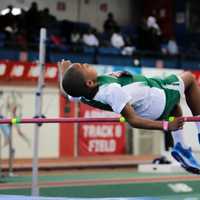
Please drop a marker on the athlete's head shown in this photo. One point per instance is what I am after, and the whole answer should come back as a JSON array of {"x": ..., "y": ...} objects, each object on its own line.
[{"x": 79, "y": 80}]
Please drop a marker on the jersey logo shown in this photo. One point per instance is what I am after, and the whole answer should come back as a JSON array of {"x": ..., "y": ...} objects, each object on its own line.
[
  {"x": 140, "y": 83},
  {"x": 172, "y": 86}
]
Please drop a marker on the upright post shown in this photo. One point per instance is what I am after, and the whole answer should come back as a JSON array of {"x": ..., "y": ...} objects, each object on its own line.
[
  {"x": 38, "y": 110},
  {"x": 76, "y": 127},
  {"x": 0, "y": 161},
  {"x": 11, "y": 153}
]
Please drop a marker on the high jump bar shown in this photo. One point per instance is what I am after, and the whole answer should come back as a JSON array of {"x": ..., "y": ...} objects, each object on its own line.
[
  {"x": 76, "y": 120},
  {"x": 59, "y": 120}
]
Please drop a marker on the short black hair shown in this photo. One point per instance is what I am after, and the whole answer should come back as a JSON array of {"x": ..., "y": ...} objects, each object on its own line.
[{"x": 73, "y": 83}]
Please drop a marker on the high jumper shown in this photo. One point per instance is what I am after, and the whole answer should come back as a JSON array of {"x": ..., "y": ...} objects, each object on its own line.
[{"x": 145, "y": 103}]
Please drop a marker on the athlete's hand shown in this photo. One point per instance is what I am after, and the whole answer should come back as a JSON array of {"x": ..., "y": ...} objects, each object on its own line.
[
  {"x": 176, "y": 124},
  {"x": 64, "y": 65}
]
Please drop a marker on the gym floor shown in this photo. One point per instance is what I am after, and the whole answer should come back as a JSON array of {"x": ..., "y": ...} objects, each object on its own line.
[{"x": 102, "y": 183}]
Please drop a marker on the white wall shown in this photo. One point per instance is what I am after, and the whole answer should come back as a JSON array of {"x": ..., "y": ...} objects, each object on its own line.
[
  {"x": 92, "y": 14},
  {"x": 78, "y": 10},
  {"x": 48, "y": 134}
]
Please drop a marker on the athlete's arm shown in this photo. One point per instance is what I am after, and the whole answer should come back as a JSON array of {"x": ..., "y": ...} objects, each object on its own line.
[
  {"x": 62, "y": 67},
  {"x": 138, "y": 122}
]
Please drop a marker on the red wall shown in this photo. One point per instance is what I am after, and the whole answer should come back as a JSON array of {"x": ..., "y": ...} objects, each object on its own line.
[{"x": 67, "y": 109}]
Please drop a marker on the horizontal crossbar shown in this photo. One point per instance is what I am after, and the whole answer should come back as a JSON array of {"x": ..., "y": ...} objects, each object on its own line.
[
  {"x": 76, "y": 120},
  {"x": 58, "y": 120}
]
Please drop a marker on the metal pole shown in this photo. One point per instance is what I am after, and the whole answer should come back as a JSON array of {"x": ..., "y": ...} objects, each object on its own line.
[
  {"x": 76, "y": 127},
  {"x": 38, "y": 111},
  {"x": 1, "y": 175},
  {"x": 11, "y": 153}
]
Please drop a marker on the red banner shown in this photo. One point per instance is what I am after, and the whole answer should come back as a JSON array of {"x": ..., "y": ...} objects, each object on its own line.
[
  {"x": 197, "y": 76},
  {"x": 100, "y": 138},
  {"x": 66, "y": 147},
  {"x": 26, "y": 71}
]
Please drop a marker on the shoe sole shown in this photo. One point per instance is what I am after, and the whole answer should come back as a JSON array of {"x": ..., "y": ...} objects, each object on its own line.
[
  {"x": 184, "y": 165},
  {"x": 191, "y": 170}
]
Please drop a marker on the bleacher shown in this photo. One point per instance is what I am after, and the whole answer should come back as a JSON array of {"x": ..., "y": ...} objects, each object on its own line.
[
  {"x": 109, "y": 56},
  {"x": 100, "y": 55}
]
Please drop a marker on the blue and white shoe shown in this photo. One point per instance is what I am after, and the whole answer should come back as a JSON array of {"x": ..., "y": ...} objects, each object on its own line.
[{"x": 186, "y": 158}]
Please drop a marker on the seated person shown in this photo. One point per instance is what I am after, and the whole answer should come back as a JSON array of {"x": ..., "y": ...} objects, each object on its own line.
[
  {"x": 90, "y": 39},
  {"x": 117, "y": 39}
]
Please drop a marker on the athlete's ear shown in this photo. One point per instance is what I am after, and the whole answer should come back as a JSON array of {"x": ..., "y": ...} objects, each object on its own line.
[{"x": 90, "y": 83}]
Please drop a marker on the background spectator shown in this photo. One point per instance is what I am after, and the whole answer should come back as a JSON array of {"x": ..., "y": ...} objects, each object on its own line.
[
  {"x": 75, "y": 37},
  {"x": 152, "y": 23},
  {"x": 46, "y": 18},
  {"x": 153, "y": 34},
  {"x": 32, "y": 21},
  {"x": 110, "y": 24},
  {"x": 172, "y": 47},
  {"x": 117, "y": 39},
  {"x": 9, "y": 17},
  {"x": 142, "y": 35},
  {"x": 90, "y": 39}
]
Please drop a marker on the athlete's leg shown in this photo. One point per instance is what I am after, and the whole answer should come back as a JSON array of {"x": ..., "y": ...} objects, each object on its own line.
[
  {"x": 180, "y": 152},
  {"x": 192, "y": 92},
  {"x": 178, "y": 134}
]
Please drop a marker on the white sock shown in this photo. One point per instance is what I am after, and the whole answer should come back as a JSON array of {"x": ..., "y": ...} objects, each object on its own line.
[{"x": 178, "y": 137}]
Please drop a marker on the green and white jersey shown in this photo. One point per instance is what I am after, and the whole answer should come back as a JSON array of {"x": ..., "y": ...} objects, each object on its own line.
[{"x": 152, "y": 98}]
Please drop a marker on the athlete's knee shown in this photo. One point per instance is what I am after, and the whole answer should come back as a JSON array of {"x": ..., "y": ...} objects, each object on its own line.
[
  {"x": 188, "y": 78},
  {"x": 189, "y": 75}
]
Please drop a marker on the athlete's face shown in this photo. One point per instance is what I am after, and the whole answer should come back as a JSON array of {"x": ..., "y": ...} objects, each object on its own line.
[{"x": 89, "y": 73}]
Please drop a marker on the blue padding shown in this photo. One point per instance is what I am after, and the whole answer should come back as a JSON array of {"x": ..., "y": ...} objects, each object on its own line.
[
  {"x": 114, "y": 60},
  {"x": 87, "y": 49},
  {"x": 9, "y": 54},
  {"x": 33, "y": 55},
  {"x": 109, "y": 50},
  {"x": 147, "y": 62},
  {"x": 61, "y": 47},
  {"x": 190, "y": 65},
  {"x": 83, "y": 58},
  {"x": 171, "y": 63}
]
